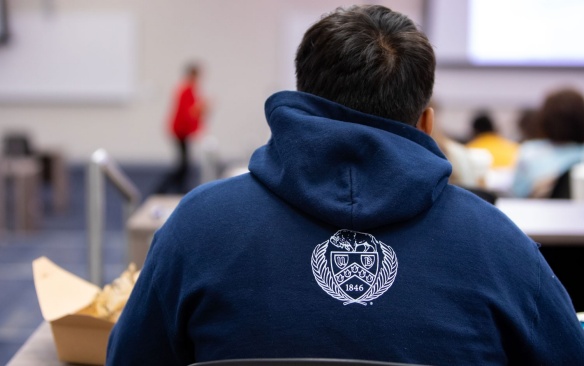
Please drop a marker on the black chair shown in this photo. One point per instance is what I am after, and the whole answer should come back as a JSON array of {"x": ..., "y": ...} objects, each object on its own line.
[
  {"x": 297, "y": 362},
  {"x": 487, "y": 195},
  {"x": 562, "y": 187},
  {"x": 17, "y": 145}
]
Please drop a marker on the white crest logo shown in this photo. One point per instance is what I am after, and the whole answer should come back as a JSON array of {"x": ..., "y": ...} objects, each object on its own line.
[{"x": 353, "y": 273}]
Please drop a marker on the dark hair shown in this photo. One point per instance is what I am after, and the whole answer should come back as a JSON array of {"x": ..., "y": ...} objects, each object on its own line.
[
  {"x": 192, "y": 70},
  {"x": 482, "y": 123},
  {"x": 368, "y": 58},
  {"x": 562, "y": 116},
  {"x": 528, "y": 125}
]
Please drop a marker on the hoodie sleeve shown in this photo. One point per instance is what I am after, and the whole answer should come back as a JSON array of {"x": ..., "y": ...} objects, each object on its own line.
[
  {"x": 557, "y": 337},
  {"x": 145, "y": 334}
]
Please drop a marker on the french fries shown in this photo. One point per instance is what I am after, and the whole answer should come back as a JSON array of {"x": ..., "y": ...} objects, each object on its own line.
[{"x": 109, "y": 303}]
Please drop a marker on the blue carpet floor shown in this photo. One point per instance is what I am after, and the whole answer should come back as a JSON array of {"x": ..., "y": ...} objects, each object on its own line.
[
  {"x": 19, "y": 310},
  {"x": 62, "y": 238}
]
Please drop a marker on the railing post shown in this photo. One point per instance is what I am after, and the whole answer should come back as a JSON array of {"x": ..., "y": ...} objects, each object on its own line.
[
  {"x": 102, "y": 166},
  {"x": 95, "y": 216},
  {"x": 2, "y": 199}
]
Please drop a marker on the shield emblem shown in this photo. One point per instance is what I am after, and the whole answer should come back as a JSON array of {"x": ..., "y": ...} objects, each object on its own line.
[
  {"x": 367, "y": 260},
  {"x": 359, "y": 268},
  {"x": 341, "y": 260},
  {"x": 354, "y": 272}
]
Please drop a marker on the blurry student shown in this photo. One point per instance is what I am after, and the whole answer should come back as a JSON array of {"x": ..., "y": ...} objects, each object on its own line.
[
  {"x": 469, "y": 166},
  {"x": 185, "y": 123},
  {"x": 345, "y": 239},
  {"x": 542, "y": 161},
  {"x": 485, "y": 136},
  {"x": 529, "y": 128}
]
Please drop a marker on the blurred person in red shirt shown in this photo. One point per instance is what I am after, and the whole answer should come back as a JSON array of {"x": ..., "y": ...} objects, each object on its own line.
[{"x": 186, "y": 122}]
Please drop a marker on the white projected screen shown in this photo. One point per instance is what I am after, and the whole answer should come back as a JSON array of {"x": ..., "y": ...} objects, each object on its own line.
[{"x": 508, "y": 32}]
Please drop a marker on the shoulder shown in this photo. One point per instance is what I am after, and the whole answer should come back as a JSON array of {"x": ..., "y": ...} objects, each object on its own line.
[
  {"x": 505, "y": 143},
  {"x": 481, "y": 221},
  {"x": 569, "y": 149},
  {"x": 216, "y": 196},
  {"x": 219, "y": 207},
  {"x": 479, "y": 234},
  {"x": 202, "y": 217},
  {"x": 535, "y": 147},
  {"x": 184, "y": 90},
  {"x": 222, "y": 195}
]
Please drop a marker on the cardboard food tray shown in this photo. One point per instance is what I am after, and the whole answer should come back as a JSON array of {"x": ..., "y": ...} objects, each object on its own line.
[{"x": 61, "y": 295}]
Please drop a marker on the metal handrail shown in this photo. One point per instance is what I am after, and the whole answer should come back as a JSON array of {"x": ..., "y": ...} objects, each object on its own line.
[{"x": 100, "y": 166}]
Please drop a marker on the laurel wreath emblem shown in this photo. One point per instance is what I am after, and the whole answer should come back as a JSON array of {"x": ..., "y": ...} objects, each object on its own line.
[{"x": 384, "y": 280}]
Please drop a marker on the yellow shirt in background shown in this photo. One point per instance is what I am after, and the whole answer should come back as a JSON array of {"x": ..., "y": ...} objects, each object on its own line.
[{"x": 504, "y": 151}]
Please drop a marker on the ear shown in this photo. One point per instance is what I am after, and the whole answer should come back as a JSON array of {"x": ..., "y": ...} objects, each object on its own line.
[{"x": 426, "y": 121}]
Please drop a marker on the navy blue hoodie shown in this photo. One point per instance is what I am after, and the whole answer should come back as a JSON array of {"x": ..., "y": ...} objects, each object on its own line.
[{"x": 344, "y": 241}]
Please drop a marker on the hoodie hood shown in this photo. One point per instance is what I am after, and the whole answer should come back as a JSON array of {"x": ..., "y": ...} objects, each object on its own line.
[{"x": 349, "y": 169}]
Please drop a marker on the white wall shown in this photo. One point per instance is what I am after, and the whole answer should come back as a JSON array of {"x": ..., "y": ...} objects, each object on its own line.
[
  {"x": 243, "y": 45},
  {"x": 229, "y": 37}
]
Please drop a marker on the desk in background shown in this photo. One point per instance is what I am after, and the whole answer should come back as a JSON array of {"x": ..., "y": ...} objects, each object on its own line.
[
  {"x": 143, "y": 223},
  {"x": 549, "y": 222},
  {"x": 558, "y": 225}
]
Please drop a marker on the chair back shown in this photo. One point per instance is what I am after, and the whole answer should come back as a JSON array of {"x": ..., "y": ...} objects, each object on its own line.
[
  {"x": 562, "y": 187},
  {"x": 16, "y": 145},
  {"x": 297, "y": 362},
  {"x": 486, "y": 195}
]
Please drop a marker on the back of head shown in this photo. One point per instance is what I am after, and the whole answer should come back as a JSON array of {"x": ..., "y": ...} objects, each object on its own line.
[
  {"x": 482, "y": 123},
  {"x": 562, "y": 116},
  {"x": 192, "y": 71},
  {"x": 529, "y": 126},
  {"x": 370, "y": 59}
]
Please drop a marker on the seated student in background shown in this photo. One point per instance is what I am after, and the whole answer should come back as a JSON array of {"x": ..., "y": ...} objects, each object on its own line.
[
  {"x": 469, "y": 166},
  {"x": 542, "y": 161},
  {"x": 345, "y": 239},
  {"x": 485, "y": 136},
  {"x": 529, "y": 128}
]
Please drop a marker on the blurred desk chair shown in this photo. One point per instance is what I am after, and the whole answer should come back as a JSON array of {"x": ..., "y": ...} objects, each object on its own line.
[
  {"x": 54, "y": 172},
  {"x": 16, "y": 145},
  {"x": 562, "y": 187},
  {"x": 22, "y": 176},
  {"x": 52, "y": 164},
  {"x": 296, "y": 362}
]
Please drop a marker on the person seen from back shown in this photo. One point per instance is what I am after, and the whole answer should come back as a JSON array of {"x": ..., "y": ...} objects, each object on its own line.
[
  {"x": 542, "y": 161},
  {"x": 529, "y": 128},
  {"x": 485, "y": 136},
  {"x": 345, "y": 239},
  {"x": 185, "y": 123},
  {"x": 469, "y": 169}
]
